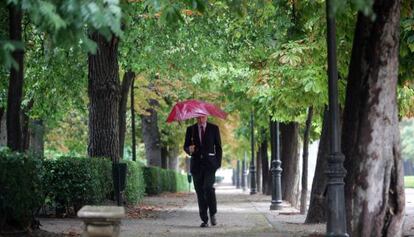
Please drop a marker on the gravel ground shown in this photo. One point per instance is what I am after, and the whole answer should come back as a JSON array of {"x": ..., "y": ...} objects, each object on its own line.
[{"x": 239, "y": 214}]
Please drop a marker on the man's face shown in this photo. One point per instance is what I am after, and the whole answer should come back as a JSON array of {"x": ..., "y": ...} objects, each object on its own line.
[{"x": 202, "y": 119}]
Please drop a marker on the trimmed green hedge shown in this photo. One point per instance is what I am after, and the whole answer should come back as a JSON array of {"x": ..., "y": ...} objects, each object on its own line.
[
  {"x": 73, "y": 182},
  {"x": 20, "y": 189},
  {"x": 159, "y": 180},
  {"x": 65, "y": 184},
  {"x": 135, "y": 183}
]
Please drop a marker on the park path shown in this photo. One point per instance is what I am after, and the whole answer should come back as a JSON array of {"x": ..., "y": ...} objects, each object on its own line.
[{"x": 239, "y": 214}]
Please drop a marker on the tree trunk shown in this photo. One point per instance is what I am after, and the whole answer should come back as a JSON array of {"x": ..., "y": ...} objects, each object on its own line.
[
  {"x": 133, "y": 134},
  {"x": 318, "y": 201},
  {"x": 103, "y": 92},
  {"x": 14, "y": 98},
  {"x": 126, "y": 84},
  {"x": 259, "y": 170},
  {"x": 3, "y": 129},
  {"x": 265, "y": 166},
  {"x": 173, "y": 151},
  {"x": 36, "y": 132},
  {"x": 370, "y": 140},
  {"x": 26, "y": 123},
  {"x": 164, "y": 157},
  {"x": 151, "y": 135},
  {"x": 304, "y": 194},
  {"x": 289, "y": 134}
]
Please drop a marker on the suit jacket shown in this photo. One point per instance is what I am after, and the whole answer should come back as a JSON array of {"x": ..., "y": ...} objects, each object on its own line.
[{"x": 207, "y": 156}]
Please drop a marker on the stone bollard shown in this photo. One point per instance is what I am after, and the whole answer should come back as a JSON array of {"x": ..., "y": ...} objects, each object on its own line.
[{"x": 101, "y": 221}]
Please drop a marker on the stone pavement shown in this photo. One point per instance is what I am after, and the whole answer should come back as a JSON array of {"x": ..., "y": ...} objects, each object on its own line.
[{"x": 239, "y": 214}]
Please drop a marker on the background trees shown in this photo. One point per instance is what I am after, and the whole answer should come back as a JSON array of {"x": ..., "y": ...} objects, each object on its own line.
[{"x": 263, "y": 56}]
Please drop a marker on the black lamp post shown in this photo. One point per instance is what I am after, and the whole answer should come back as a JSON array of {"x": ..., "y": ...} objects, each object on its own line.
[
  {"x": 252, "y": 170},
  {"x": 276, "y": 169},
  {"x": 336, "y": 225}
]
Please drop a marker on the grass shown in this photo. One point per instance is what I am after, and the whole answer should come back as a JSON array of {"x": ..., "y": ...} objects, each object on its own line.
[{"x": 409, "y": 181}]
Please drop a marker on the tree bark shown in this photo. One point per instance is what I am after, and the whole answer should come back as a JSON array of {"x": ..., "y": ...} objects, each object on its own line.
[
  {"x": 103, "y": 92},
  {"x": 173, "y": 151},
  {"x": 265, "y": 166},
  {"x": 304, "y": 194},
  {"x": 151, "y": 135},
  {"x": 318, "y": 201},
  {"x": 370, "y": 140},
  {"x": 25, "y": 125},
  {"x": 3, "y": 129},
  {"x": 133, "y": 134},
  {"x": 14, "y": 98},
  {"x": 36, "y": 139},
  {"x": 126, "y": 84},
  {"x": 289, "y": 133},
  {"x": 164, "y": 157},
  {"x": 259, "y": 170}
]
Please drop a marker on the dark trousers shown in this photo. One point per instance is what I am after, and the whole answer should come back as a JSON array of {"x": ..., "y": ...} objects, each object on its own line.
[{"x": 206, "y": 194}]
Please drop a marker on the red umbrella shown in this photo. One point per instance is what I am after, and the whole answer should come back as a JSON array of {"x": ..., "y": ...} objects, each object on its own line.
[{"x": 194, "y": 108}]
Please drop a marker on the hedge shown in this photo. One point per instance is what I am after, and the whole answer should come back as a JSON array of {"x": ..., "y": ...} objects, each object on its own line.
[
  {"x": 73, "y": 182},
  {"x": 159, "y": 180},
  {"x": 20, "y": 189},
  {"x": 135, "y": 185},
  {"x": 65, "y": 184}
]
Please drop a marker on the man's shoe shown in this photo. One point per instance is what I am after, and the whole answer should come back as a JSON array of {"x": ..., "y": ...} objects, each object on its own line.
[
  {"x": 213, "y": 220},
  {"x": 204, "y": 224}
]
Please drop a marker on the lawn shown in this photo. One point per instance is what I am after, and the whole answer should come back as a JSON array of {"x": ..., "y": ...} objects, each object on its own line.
[{"x": 409, "y": 181}]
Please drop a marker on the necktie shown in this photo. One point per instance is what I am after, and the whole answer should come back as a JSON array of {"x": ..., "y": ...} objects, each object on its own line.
[{"x": 202, "y": 134}]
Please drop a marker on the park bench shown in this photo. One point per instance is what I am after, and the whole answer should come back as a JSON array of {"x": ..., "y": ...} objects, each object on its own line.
[{"x": 101, "y": 221}]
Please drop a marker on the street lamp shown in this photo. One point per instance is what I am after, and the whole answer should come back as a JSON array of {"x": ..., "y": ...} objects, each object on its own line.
[
  {"x": 276, "y": 170},
  {"x": 252, "y": 170},
  {"x": 336, "y": 224}
]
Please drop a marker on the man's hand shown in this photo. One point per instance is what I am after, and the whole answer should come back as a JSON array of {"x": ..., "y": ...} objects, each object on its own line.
[{"x": 191, "y": 149}]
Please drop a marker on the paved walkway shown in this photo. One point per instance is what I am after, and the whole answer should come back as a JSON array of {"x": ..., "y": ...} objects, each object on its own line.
[{"x": 239, "y": 214}]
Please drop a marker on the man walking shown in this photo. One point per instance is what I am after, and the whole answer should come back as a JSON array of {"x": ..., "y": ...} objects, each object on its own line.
[{"x": 203, "y": 143}]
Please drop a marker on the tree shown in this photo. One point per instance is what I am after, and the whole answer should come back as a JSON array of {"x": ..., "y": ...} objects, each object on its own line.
[
  {"x": 304, "y": 193},
  {"x": 104, "y": 98},
  {"x": 318, "y": 202},
  {"x": 370, "y": 139},
  {"x": 61, "y": 25},
  {"x": 14, "y": 133}
]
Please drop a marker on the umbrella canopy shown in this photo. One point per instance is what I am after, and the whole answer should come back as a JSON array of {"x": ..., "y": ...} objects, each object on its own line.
[{"x": 194, "y": 108}]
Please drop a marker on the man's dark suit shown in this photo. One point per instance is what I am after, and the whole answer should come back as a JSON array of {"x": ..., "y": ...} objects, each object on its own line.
[{"x": 205, "y": 160}]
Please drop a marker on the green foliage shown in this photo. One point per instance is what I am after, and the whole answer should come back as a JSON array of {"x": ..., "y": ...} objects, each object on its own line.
[
  {"x": 65, "y": 23},
  {"x": 409, "y": 181},
  {"x": 135, "y": 183},
  {"x": 73, "y": 182},
  {"x": 407, "y": 139},
  {"x": 21, "y": 188},
  {"x": 159, "y": 180}
]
